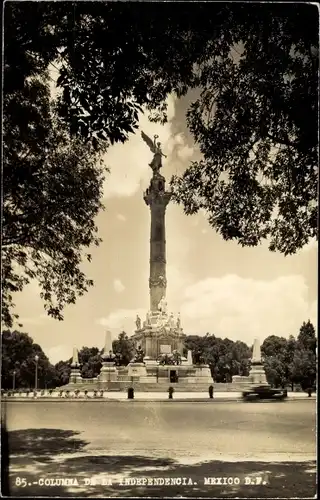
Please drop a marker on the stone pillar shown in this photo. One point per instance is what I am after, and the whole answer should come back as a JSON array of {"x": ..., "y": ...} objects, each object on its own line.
[
  {"x": 157, "y": 199},
  {"x": 257, "y": 373},
  {"x": 75, "y": 375},
  {"x": 108, "y": 371}
]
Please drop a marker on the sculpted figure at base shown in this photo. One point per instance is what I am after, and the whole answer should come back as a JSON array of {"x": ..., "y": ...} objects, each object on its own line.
[
  {"x": 171, "y": 321},
  {"x": 138, "y": 322},
  {"x": 165, "y": 359},
  {"x": 139, "y": 355},
  {"x": 178, "y": 321},
  {"x": 170, "y": 359},
  {"x": 176, "y": 356},
  {"x": 162, "y": 307},
  {"x": 148, "y": 319}
]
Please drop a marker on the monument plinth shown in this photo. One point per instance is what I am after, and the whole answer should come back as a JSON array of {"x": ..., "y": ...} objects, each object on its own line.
[
  {"x": 75, "y": 374},
  {"x": 108, "y": 371},
  {"x": 257, "y": 373},
  {"x": 137, "y": 367}
]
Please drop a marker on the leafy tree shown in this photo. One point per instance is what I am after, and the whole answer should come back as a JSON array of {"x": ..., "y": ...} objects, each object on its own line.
[
  {"x": 52, "y": 183},
  {"x": 63, "y": 370},
  {"x": 288, "y": 357},
  {"x": 291, "y": 361},
  {"x": 304, "y": 361},
  {"x": 275, "y": 371},
  {"x": 307, "y": 337},
  {"x": 86, "y": 353},
  {"x": 224, "y": 357},
  {"x": 304, "y": 368},
  {"x": 242, "y": 355},
  {"x": 273, "y": 346},
  {"x": 255, "y": 123},
  {"x": 90, "y": 361},
  {"x": 18, "y": 355},
  {"x": 124, "y": 349}
]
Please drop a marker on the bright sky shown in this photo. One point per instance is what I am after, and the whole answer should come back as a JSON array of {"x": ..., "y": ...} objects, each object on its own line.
[{"x": 219, "y": 287}]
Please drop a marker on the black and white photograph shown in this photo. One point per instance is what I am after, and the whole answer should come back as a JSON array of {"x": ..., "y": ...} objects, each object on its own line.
[{"x": 159, "y": 249}]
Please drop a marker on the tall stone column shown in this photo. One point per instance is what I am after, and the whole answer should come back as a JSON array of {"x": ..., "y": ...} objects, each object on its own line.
[{"x": 157, "y": 199}]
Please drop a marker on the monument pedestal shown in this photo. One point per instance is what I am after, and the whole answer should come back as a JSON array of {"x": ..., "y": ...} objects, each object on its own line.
[
  {"x": 108, "y": 373},
  {"x": 137, "y": 370},
  {"x": 75, "y": 376},
  {"x": 257, "y": 375},
  {"x": 240, "y": 379},
  {"x": 203, "y": 374}
]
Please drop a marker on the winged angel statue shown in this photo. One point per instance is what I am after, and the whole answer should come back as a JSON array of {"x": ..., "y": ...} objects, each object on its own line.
[{"x": 155, "y": 148}]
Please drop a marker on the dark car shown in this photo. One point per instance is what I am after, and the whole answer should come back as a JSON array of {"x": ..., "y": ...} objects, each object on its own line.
[{"x": 264, "y": 392}]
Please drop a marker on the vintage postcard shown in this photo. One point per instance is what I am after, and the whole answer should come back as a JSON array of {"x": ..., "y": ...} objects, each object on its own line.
[{"x": 159, "y": 249}]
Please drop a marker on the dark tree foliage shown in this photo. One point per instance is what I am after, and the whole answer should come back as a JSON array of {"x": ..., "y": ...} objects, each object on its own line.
[
  {"x": 124, "y": 349},
  {"x": 255, "y": 122},
  {"x": 63, "y": 370},
  {"x": 256, "y": 126},
  {"x": 307, "y": 337},
  {"x": 52, "y": 183},
  {"x": 18, "y": 355},
  {"x": 291, "y": 361},
  {"x": 273, "y": 346},
  {"x": 225, "y": 357},
  {"x": 90, "y": 361}
]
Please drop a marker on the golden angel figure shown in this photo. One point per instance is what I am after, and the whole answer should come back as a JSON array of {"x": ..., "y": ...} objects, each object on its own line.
[{"x": 155, "y": 148}]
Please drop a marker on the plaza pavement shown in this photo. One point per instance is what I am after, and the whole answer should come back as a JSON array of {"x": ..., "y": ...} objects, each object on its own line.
[
  {"x": 273, "y": 441},
  {"x": 192, "y": 396}
]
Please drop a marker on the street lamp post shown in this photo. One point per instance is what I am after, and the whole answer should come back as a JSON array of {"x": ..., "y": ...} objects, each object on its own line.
[
  {"x": 13, "y": 380},
  {"x": 36, "y": 358}
]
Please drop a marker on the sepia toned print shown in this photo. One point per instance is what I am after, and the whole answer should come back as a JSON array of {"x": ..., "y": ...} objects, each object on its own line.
[{"x": 159, "y": 293}]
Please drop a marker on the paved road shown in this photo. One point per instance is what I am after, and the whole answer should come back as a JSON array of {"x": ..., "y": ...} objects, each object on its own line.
[{"x": 123, "y": 439}]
